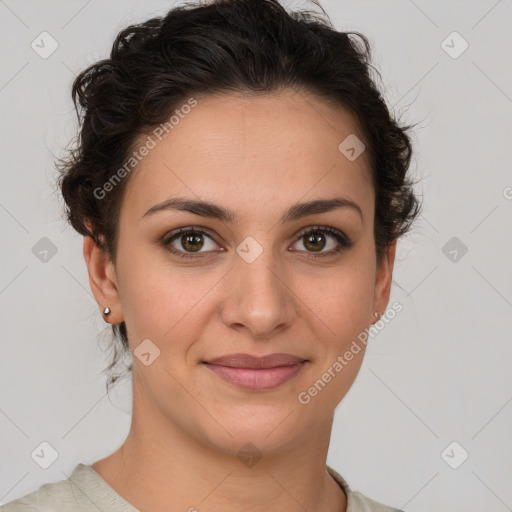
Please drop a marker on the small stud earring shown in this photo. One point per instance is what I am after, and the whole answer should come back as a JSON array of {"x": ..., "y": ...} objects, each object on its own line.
[{"x": 106, "y": 311}]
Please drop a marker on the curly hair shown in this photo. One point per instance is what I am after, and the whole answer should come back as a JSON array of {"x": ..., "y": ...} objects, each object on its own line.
[{"x": 223, "y": 46}]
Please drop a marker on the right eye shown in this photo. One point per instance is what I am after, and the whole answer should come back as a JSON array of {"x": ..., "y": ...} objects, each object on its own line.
[{"x": 190, "y": 239}]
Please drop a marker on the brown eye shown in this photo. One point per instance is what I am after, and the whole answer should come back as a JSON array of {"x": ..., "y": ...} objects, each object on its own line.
[
  {"x": 315, "y": 241},
  {"x": 192, "y": 242},
  {"x": 186, "y": 241}
]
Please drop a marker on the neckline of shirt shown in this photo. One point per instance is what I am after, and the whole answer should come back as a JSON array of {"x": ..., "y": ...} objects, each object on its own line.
[{"x": 95, "y": 488}]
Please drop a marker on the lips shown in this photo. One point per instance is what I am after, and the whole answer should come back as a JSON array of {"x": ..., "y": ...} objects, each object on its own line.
[
  {"x": 256, "y": 373},
  {"x": 248, "y": 361}
]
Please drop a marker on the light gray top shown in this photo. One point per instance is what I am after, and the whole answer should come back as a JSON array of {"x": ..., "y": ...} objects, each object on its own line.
[{"x": 86, "y": 491}]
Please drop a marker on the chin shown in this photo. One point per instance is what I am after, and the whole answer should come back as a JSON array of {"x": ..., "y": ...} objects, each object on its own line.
[
  {"x": 266, "y": 429},
  {"x": 252, "y": 444}
]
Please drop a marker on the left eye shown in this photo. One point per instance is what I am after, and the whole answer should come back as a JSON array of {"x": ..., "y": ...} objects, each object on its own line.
[{"x": 314, "y": 240}]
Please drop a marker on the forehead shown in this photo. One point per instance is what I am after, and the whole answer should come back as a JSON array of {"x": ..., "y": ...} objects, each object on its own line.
[{"x": 251, "y": 151}]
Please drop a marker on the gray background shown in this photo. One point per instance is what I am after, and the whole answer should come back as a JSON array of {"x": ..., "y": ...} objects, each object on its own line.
[{"x": 439, "y": 372}]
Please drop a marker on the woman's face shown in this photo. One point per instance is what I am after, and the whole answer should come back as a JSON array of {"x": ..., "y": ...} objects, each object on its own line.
[{"x": 250, "y": 284}]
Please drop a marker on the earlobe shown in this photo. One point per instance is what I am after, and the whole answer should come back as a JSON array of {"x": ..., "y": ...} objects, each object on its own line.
[{"x": 102, "y": 280}]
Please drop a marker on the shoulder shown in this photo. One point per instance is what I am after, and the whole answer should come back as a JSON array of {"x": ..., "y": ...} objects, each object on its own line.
[
  {"x": 83, "y": 491},
  {"x": 364, "y": 504},
  {"x": 357, "y": 502},
  {"x": 51, "y": 497}
]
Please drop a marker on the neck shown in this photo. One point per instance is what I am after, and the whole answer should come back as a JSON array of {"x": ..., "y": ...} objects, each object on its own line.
[{"x": 161, "y": 467}]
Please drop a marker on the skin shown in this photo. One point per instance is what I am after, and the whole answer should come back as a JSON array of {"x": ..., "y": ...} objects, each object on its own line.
[{"x": 256, "y": 155}]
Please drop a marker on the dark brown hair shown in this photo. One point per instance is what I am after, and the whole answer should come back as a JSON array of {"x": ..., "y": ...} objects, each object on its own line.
[{"x": 248, "y": 46}]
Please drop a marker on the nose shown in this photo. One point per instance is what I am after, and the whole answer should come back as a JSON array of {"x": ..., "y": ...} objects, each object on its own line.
[{"x": 259, "y": 298}]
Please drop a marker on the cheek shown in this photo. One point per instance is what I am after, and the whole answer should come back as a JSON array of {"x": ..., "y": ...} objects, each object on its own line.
[
  {"x": 338, "y": 319},
  {"x": 341, "y": 300},
  {"x": 163, "y": 302}
]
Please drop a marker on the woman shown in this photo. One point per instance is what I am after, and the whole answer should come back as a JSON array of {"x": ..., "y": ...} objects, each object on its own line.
[{"x": 241, "y": 187}]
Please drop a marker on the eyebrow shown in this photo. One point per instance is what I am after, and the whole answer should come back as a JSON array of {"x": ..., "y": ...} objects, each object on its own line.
[{"x": 296, "y": 211}]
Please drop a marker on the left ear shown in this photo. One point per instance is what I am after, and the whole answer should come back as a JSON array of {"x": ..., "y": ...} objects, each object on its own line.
[{"x": 383, "y": 278}]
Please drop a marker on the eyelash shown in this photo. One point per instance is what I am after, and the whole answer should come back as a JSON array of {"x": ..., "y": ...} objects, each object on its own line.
[{"x": 344, "y": 242}]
